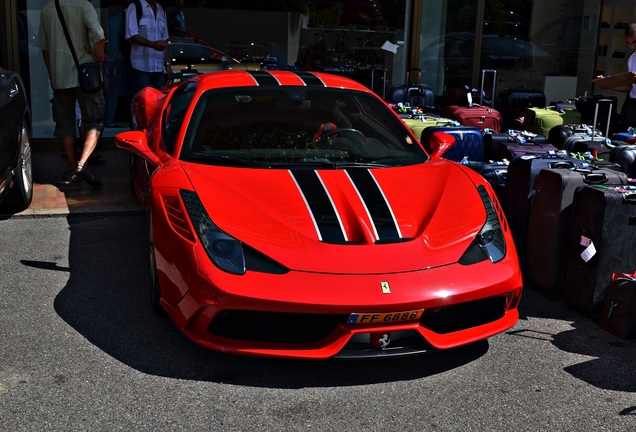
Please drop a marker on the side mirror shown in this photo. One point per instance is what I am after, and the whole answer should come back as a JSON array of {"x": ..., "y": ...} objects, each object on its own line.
[
  {"x": 137, "y": 143},
  {"x": 439, "y": 143}
]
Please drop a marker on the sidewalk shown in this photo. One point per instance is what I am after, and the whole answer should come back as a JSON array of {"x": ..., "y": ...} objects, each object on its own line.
[{"x": 52, "y": 196}]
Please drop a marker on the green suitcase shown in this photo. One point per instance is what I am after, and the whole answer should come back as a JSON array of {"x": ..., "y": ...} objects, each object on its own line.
[
  {"x": 541, "y": 120},
  {"x": 417, "y": 125}
]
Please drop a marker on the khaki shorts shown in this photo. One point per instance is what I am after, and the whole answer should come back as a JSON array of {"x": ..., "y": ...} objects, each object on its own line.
[{"x": 92, "y": 108}]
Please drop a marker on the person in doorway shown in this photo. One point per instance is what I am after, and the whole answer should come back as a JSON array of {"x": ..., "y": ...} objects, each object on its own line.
[
  {"x": 88, "y": 39},
  {"x": 176, "y": 20},
  {"x": 149, "y": 44}
]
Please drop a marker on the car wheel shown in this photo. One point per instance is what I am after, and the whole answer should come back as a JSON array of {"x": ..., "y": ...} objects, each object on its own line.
[
  {"x": 155, "y": 291},
  {"x": 20, "y": 195}
]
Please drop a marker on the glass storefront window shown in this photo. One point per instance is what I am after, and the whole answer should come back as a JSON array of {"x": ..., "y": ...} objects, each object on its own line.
[
  {"x": 549, "y": 46},
  {"x": 557, "y": 47}
]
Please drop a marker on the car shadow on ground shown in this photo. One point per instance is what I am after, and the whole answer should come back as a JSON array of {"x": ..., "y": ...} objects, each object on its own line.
[
  {"x": 106, "y": 301},
  {"x": 609, "y": 355}
]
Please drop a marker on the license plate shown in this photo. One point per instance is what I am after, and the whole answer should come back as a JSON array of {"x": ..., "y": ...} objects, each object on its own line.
[{"x": 389, "y": 317}]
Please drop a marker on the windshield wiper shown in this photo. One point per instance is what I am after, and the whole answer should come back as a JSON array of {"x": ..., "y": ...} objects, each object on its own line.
[
  {"x": 328, "y": 164},
  {"x": 223, "y": 160}
]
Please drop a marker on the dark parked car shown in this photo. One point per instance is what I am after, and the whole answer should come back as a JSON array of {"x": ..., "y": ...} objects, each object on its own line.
[{"x": 16, "y": 181}]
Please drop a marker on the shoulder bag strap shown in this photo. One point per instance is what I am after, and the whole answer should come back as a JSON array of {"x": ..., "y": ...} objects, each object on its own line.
[{"x": 68, "y": 36}]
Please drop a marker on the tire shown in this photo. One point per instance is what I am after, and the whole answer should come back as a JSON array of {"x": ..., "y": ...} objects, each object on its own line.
[{"x": 20, "y": 195}]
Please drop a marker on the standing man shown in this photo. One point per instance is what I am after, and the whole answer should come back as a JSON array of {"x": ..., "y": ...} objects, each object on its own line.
[
  {"x": 149, "y": 44},
  {"x": 88, "y": 39}
]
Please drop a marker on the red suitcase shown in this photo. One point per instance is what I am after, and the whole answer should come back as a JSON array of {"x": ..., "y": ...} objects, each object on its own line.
[{"x": 479, "y": 116}]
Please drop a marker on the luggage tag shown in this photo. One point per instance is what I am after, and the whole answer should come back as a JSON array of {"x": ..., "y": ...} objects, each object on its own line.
[{"x": 590, "y": 249}]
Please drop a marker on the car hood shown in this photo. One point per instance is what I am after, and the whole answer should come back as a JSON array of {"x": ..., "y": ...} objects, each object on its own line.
[{"x": 379, "y": 220}]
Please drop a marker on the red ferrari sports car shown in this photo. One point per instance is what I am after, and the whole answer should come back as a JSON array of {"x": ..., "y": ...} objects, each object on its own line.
[{"x": 293, "y": 214}]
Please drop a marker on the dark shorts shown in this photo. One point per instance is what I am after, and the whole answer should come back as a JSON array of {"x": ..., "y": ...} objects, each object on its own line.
[{"x": 92, "y": 107}]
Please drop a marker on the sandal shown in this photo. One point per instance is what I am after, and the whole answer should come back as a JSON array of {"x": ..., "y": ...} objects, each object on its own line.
[
  {"x": 70, "y": 177},
  {"x": 89, "y": 178}
]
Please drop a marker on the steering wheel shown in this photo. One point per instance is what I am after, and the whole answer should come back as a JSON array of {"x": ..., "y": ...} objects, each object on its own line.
[{"x": 344, "y": 131}]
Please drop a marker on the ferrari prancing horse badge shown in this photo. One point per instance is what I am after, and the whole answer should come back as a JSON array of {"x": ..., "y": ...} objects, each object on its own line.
[{"x": 386, "y": 289}]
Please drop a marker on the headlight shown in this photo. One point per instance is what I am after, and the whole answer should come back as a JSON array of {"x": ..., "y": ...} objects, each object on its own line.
[
  {"x": 490, "y": 243},
  {"x": 225, "y": 251}
]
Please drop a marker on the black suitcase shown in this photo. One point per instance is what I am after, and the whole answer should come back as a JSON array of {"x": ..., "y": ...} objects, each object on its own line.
[
  {"x": 412, "y": 92},
  {"x": 417, "y": 97},
  {"x": 603, "y": 229},
  {"x": 495, "y": 173},
  {"x": 619, "y": 307},
  {"x": 625, "y": 157},
  {"x": 519, "y": 190},
  {"x": 605, "y": 118},
  {"x": 550, "y": 220},
  {"x": 590, "y": 142},
  {"x": 513, "y": 102},
  {"x": 501, "y": 145},
  {"x": 558, "y": 134}
]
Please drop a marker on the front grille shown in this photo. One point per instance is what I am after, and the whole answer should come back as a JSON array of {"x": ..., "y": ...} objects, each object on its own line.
[
  {"x": 464, "y": 315},
  {"x": 273, "y": 327}
]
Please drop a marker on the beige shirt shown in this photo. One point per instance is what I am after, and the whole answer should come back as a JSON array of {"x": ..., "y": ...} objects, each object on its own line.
[{"x": 85, "y": 30}]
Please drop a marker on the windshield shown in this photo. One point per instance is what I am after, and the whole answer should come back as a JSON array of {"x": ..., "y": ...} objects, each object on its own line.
[{"x": 283, "y": 126}]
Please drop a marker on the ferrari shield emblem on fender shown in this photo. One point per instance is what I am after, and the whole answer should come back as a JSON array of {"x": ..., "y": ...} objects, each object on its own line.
[{"x": 386, "y": 289}]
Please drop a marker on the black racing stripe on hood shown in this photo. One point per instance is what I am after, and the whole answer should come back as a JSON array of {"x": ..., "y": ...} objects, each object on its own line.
[
  {"x": 320, "y": 206},
  {"x": 376, "y": 204},
  {"x": 310, "y": 79},
  {"x": 264, "y": 78}
]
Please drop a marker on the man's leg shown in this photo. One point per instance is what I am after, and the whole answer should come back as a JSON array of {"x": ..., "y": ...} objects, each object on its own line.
[
  {"x": 64, "y": 117},
  {"x": 92, "y": 107}
]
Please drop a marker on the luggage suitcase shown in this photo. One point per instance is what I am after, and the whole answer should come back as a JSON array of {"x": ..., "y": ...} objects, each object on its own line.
[
  {"x": 558, "y": 134},
  {"x": 619, "y": 308},
  {"x": 590, "y": 141},
  {"x": 412, "y": 92},
  {"x": 419, "y": 123},
  {"x": 421, "y": 96},
  {"x": 496, "y": 143},
  {"x": 550, "y": 220},
  {"x": 519, "y": 190},
  {"x": 476, "y": 115},
  {"x": 625, "y": 157},
  {"x": 601, "y": 244},
  {"x": 607, "y": 119},
  {"x": 513, "y": 102},
  {"x": 469, "y": 142},
  {"x": 541, "y": 120},
  {"x": 494, "y": 173},
  {"x": 520, "y": 143}
]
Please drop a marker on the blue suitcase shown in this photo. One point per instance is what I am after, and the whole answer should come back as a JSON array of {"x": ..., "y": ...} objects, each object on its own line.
[{"x": 469, "y": 142}]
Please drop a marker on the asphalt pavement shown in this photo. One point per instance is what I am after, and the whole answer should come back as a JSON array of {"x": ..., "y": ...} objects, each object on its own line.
[{"x": 81, "y": 350}]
